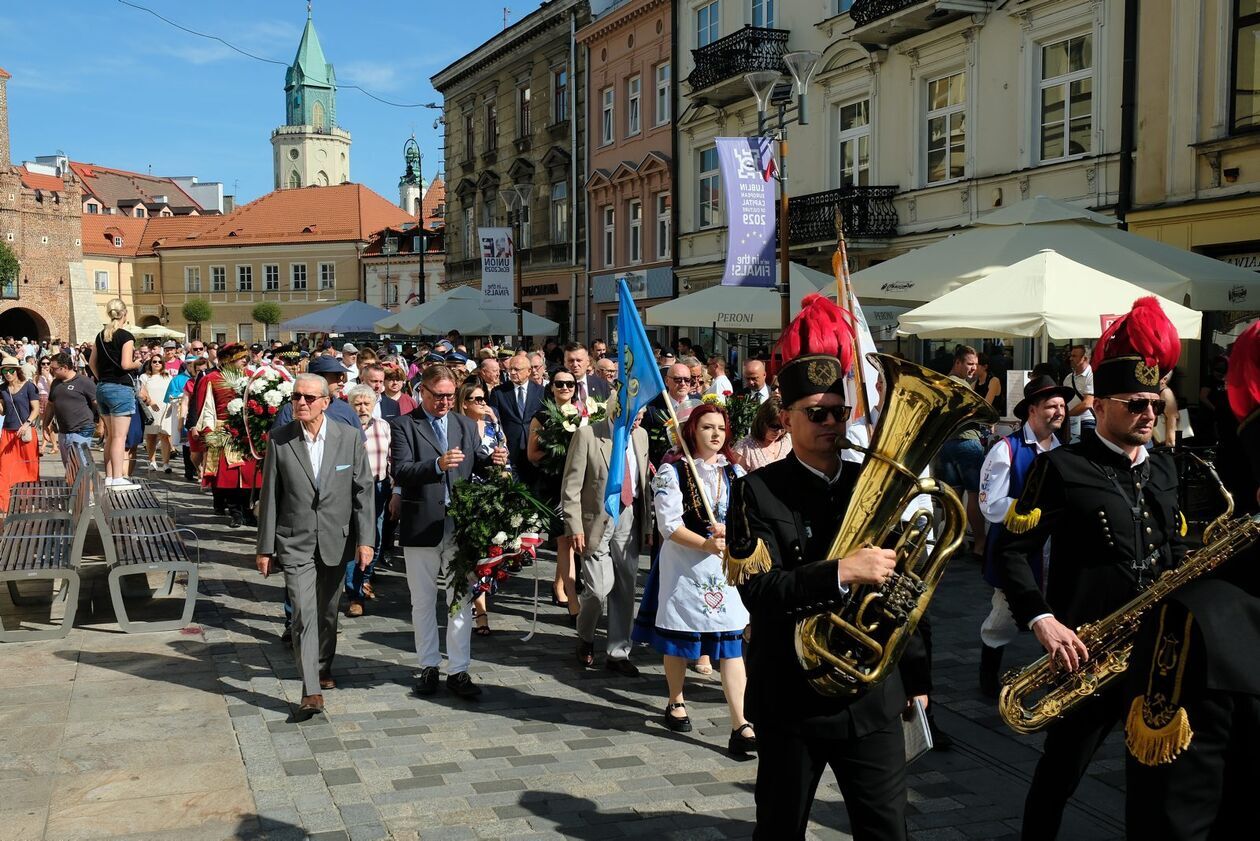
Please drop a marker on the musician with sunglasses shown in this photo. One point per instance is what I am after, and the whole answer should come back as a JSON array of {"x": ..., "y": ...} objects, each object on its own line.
[
  {"x": 782, "y": 520},
  {"x": 1110, "y": 507}
]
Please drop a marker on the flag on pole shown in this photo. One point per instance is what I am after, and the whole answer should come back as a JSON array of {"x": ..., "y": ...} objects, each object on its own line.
[
  {"x": 765, "y": 157},
  {"x": 865, "y": 345},
  {"x": 640, "y": 382}
]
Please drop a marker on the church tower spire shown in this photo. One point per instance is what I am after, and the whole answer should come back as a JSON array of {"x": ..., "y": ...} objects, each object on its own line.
[{"x": 310, "y": 149}]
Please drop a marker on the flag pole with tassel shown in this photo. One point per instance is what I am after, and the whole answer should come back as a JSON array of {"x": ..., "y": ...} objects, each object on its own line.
[{"x": 844, "y": 299}]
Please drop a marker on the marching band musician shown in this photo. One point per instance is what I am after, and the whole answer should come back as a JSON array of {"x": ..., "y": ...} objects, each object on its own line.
[
  {"x": 1193, "y": 700},
  {"x": 1111, "y": 507},
  {"x": 779, "y": 528}
]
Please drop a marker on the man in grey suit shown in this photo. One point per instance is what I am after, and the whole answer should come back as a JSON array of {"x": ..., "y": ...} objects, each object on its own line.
[
  {"x": 316, "y": 508},
  {"x": 610, "y": 553}
]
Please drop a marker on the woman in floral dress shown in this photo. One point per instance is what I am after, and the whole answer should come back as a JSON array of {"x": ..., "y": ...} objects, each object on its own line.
[{"x": 692, "y": 611}]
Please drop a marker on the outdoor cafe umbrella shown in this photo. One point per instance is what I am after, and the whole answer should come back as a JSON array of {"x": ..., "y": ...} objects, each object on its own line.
[
  {"x": 350, "y": 317},
  {"x": 460, "y": 309},
  {"x": 1004, "y": 237},
  {"x": 1046, "y": 295},
  {"x": 156, "y": 331},
  {"x": 739, "y": 307}
]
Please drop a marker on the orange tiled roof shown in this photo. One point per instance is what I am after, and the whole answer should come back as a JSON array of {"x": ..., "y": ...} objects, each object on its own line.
[
  {"x": 112, "y": 187},
  {"x": 434, "y": 198},
  {"x": 341, "y": 213},
  {"x": 99, "y": 231},
  {"x": 4, "y": 74},
  {"x": 39, "y": 181}
]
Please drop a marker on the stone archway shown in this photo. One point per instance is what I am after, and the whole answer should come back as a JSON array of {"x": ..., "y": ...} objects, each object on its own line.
[
  {"x": 150, "y": 321},
  {"x": 19, "y": 322}
]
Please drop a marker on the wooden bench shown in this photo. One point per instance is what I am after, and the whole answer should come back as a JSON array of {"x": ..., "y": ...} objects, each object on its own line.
[{"x": 52, "y": 494}]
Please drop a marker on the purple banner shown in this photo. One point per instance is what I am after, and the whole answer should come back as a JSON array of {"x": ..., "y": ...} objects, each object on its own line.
[{"x": 747, "y": 165}]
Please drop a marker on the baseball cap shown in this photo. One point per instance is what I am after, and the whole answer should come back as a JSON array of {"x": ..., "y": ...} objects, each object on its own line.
[
  {"x": 169, "y": 345},
  {"x": 256, "y": 347},
  {"x": 326, "y": 365}
]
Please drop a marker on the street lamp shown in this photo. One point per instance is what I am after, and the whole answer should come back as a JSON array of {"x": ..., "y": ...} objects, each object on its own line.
[
  {"x": 414, "y": 156},
  {"x": 763, "y": 83},
  {"x": 516, "y": 199}
]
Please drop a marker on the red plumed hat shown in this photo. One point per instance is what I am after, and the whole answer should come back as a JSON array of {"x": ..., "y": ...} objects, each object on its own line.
[
  {"x": 815, "y": 351},
  {"x": 1137, "y": 350},
  {"x": 1242, "y": 379}
]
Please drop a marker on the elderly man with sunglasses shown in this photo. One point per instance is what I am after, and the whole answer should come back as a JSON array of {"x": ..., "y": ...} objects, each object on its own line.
[{"x": 1110, "y": 510}]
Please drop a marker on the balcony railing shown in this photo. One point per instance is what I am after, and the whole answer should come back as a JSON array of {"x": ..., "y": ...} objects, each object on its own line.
[
  {"x": 868, "y": 213},
  {"x": 865, "y": 11},
  {"x": 751, "y": 48},
  {"x": 883, "y": 22}
]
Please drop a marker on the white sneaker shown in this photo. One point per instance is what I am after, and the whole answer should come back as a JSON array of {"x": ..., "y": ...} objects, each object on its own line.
[
  {"x": 153, "y": 466},
  {"x": 121, "y": 485}
]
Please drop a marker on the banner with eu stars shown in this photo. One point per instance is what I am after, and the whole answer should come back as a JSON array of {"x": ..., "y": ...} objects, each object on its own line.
[
  {"x": 747, "y": 165},
  {"x": 639, "y": 383}
]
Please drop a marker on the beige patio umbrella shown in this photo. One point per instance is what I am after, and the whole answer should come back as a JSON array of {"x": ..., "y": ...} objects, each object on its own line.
[
  {"x": 1004, "y": 237},
  {"x": 1047, "y": 296}
]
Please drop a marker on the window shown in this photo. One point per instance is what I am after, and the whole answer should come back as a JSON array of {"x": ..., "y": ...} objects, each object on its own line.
[
  {"x": 606, "y": 126},
  {"x": 763, "y": 13},
  {"x": 523, "y": 128},
  {"x": 218, "y": 278},
  {"x": 1067, "y": 98},
  {"x": 297, "y": 277},
  {"x": 707, "y": 24},
  {"x": 634, "y": 96},
  {"x": 327, "y": 275},
  {"x": 708, "y": 202},
  {"x": 489, "y": 202},
  {"x": 102, "y": 281},
  {"x": 560, "y": 95},
  {"x": 492, "y": 127},
  {"x": 525, "y": 225},
  {"x": 663, "y": 97},
  {"x": 470, "y": 233},
  {"x": 139, "y": 212},
  {"x": 295, "y": 180},
  {"x": 947, "y": 128},
  {"x": 271, "y": 277},
  {"x": 560, "y": 211},
  {"x": 245, "y": 333},
  {"x": 147, "y": 283},
  {"x": 391, "y": 291},
  {"x": 636, "y": 231},
  {"x": 244, "y": 278},
  {"x": 192, "y": 278},
  {"x": 118, "y": 242},
  {"x": 9, "y": 288},
  {"x": 470, "y": 136},
  {"x": 843, "y": 6},
  {"x": 610, "y": 234},
  {"x": 1245, "y": 104},
  {"x": 664, "y": 226},
  {"x": 855, "y": 143},
  {"x": 92, "y": 207}
]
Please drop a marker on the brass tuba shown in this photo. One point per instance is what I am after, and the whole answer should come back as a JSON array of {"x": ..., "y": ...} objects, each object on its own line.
[
  {"x": 1042, "y": 692},
  {"x": 847, "y": 652}
]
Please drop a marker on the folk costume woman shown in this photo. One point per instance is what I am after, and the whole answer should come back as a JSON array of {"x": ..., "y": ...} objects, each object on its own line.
[
  {"x": 689, "y": 610},
  {"x": 230, "y": 471}
]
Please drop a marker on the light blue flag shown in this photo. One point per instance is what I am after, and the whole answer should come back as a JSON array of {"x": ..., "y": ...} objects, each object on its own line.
[{"x": 639, "y": 383}]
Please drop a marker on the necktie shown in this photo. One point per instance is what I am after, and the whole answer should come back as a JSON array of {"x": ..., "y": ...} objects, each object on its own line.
[
  {"x": 627, "y": 491},
  {"x": 581, "y": 390},
  {"x": 520, "y": 400},
  {"x": 439, "y": 432}
]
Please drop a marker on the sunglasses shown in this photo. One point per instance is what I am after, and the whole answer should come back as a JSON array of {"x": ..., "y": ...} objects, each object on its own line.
[
  {"x": 306, "y": 398},
  {"x": 450, "y": 395},
  {"x": 1138, "y": 405},
  {"x": 479, "y": 400},
  {"x": 819, "y": 414},
  {"x": 681, "y": 380},
  {"x": 563, "y": 383}
]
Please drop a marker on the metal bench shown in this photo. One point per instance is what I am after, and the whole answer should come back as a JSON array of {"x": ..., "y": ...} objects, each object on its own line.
[{"x": 51, "y": 494}]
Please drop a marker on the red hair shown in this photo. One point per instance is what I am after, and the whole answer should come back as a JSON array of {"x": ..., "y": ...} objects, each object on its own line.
[
  {"x": 820, "y": 327},
  {"x": 693, "y": 423},
  {"x": 1144, "y": 331},
  {"x": 1242, "y": 378}
]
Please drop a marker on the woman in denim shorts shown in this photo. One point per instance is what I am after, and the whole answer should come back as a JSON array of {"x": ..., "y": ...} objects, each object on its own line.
[{"x": 113, "y": 362}]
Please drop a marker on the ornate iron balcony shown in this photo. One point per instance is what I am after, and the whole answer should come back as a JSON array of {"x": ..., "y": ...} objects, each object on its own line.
[
  {"x": 751, "y": 48},
  {"x": 868, "y": 213},
  {"x": 883, "y": 22}
]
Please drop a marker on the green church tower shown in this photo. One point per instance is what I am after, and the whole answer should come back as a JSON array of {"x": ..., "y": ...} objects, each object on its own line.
[{"x": 310, "y": 149}]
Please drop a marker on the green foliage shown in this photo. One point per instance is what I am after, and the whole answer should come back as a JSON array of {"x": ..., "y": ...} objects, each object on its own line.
[
  {"x": 9, "y": 266},
  {"x": 197, "y": 311},
  {"x": 268, "y": 312},
  {"x": 741, "y": 409}
]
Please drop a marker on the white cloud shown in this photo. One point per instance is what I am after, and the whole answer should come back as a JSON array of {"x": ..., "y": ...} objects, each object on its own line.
[{"x": 376, "y": 76}]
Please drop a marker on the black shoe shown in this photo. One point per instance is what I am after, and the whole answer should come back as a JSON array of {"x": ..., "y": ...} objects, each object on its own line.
[
  {"x": 673, "y": 722},
  {"x": 622, "y": 666},
  {"x": 428, "y": 681},
  {"x": 286, "y": 636},
  {"x": 990, "y": 670},
  {"x": 940, "y": 739},
  {"x": 739, "y": 744},
  {"x": 463, "y": 686},
  {"x": 585, "y": 654}
]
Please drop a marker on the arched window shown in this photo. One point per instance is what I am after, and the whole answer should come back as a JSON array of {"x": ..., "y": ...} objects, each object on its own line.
[
  {"x": 321, "y": 178},
  {"x": 317, "y": 114},
  {"x": 295, "y": 180}
]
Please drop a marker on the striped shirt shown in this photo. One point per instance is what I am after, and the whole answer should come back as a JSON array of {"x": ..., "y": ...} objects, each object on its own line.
[{"x": 377, "y": 437}]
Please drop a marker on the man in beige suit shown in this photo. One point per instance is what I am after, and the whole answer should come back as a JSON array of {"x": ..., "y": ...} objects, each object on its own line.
[{"x": 610, "y": 552}]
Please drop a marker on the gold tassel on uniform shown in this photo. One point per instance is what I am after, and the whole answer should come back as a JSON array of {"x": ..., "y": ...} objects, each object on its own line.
[
  {"x": 1157, "y": 728},
  {"x": 1184, "y": 527},
  {"x": 739, "y": 570},
  {"x": 1156, "y": 745},
  {"x": 1017, "y": 523}
]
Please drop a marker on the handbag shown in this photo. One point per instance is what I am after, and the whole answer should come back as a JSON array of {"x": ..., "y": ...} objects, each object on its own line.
[
  {"x": 146, "y": 414},
  {"x": 25, "y": 434}
]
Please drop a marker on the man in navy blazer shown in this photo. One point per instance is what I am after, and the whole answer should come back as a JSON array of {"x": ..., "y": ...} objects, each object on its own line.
[
  {"x": 374, "y": 375},
  {"x": 515, "y": 403},
  {"x": 431, "y": 449}
]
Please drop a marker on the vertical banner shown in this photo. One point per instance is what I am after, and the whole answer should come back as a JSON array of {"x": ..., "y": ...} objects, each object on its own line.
[
  {"x": 497, "y": 268},
  {"x": 747, "y": 165}
]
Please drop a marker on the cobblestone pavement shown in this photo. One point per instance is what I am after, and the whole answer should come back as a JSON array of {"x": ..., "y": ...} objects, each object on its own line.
[{"x": 188, "y": 735}]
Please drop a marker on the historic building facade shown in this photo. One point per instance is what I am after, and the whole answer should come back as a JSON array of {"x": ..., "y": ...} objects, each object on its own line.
[
  {"x": 310, "y": 149},
  {"x": 511, "y": 111},
  {"x": 629, "y": 145},
  {"x": 395, "y": 276}
]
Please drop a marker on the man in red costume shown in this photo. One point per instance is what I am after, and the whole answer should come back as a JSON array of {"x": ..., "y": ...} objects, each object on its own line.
[{"x": 228, "y": 468}]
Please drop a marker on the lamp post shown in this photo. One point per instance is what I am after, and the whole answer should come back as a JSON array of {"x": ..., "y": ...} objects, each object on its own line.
[
  {"x": 414, "y": 157},
  {"x": 516, "y": 199},
  {"x": 763, "y": 83}
]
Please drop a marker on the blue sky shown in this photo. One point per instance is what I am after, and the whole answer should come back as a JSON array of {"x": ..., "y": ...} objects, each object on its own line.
[{"x": 112, "y": 85}]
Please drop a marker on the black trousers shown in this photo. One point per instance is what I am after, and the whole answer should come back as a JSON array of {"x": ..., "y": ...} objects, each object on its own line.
[
  {"x": 871, "y": 772},
  {"x": 1069, "y": 747}
]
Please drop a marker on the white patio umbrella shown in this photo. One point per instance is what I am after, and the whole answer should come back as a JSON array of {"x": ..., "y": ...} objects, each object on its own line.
[
  {"x": 1046, "y": 295},
  {"x": 156, "y": 331},
  {"x": 460, "y": 309},
  {"x": 1004, "y": 237},
  {"x": 350, "y": 317},
  {"x": 739, "y": 307}
]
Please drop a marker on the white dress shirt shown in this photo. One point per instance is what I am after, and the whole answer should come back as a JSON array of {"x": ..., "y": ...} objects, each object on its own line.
[
  {"x": 315, "y": 446},
  {"x": 995, "y": 477}
]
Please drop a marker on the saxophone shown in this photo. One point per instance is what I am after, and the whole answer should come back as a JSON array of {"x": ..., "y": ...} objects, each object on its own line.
[
  {"x": 847, "y": 652},
  {"x": 1042, "y": 692}
]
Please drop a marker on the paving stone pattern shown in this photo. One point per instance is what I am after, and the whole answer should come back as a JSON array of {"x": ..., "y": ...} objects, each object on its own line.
[{"x": 189, "y": 734}]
